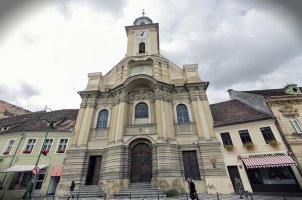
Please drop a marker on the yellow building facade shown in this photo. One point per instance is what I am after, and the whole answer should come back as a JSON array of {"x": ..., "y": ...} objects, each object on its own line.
[
  {"x": 22, "y": 138},
  {"x": 254, "y": 150},
  {"x": 146, "y": 120}
]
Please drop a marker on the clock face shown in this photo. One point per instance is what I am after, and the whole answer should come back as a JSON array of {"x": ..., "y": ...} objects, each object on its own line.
[{"x": 142, "y": 35}]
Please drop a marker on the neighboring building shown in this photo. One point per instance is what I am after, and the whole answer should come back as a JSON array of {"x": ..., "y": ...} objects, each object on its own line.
[
  {"x": 286, "y": 105},
  {"x": 21, "y": 140},
  {"x": 9, "y": 110},
  {"x": 146, "y": 120},
  {"x": 253, "y": 149}
]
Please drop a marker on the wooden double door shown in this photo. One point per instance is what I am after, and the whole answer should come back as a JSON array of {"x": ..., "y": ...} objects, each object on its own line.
[{"x": 141, "y": 163}]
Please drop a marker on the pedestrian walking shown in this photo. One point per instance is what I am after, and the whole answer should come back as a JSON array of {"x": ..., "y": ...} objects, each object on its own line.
[
  {"x": 193, "y": 193},
  {"x": 71, "y": 190}
]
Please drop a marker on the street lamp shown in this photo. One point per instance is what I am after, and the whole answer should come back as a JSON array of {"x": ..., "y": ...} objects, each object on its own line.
[{"x": 30, "y": 184}]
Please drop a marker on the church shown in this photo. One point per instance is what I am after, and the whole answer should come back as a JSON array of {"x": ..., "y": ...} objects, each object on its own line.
[{"x": 146, "y": 120}]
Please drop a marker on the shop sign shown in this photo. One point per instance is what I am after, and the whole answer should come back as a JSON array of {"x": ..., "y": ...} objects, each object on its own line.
[{"x": 57, "y": 170}]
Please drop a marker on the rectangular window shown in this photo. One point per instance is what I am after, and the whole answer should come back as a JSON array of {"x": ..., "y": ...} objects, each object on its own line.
[
  {"x": 62, "y": 146},
  {"x": 29, "y": 146},
  {"x": 267, "y": 134},
  {"x": 226, "y": 138},
  {"x": 20, "y": 180},
  {"x": 245, "y": 136},
  {"x": 296, "y": 125},
  {"x": 8, "y": 147},
  {"x": 191, "y": 165},
  {"x": 47, "y": 144}
]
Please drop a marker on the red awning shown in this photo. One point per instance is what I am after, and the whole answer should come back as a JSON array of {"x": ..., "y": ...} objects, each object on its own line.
[{"x": 268, "y": 161}]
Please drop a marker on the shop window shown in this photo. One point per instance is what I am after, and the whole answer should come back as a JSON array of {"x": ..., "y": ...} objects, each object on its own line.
[
  {"x": 245, "y": 136},
  {"x": 296, "y": 125},
  {"x": 20, "y": 181},
  {"x": 272, "y": 176},
  {"x": 141, "y": 110},
  {"x": 62, "y": 146},
  {"x": 267, "y": 134},
  {"x": 226, "y": 139},
  {"x": 29, "y": 146},
  {"x": 141, "y": 47},
  {"x": 191, "y": 165},
  {"x": 182, "y": 114},
  {"x": 103, "y": 119},
  {"x": 9, "y": 147}
]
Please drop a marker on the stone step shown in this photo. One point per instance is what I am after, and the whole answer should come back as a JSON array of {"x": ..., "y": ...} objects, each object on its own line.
[{"x": 140, "y": 190}]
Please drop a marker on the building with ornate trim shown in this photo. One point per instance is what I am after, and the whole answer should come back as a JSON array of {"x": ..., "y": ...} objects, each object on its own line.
[{"x": 146, "y": 120}]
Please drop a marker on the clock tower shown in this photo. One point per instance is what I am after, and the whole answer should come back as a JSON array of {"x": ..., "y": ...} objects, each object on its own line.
[{"x": 143, "y": 37}]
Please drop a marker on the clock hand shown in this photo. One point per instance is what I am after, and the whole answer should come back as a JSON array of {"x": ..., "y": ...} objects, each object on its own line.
[{"x": 142, "y": 33}]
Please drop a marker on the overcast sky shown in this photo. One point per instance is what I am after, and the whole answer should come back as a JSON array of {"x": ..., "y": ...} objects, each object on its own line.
[{"x": 47, "y": 48}]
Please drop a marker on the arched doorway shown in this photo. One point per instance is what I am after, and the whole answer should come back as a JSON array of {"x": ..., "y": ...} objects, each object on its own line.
[{"x": 141, "y": 163}]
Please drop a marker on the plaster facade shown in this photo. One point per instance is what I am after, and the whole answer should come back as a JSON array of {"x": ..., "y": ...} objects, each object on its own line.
[{"x": 145, "y": 76}]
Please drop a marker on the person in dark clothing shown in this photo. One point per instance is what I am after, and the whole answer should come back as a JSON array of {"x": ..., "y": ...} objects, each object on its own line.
[
  {"x": 71, "y": 189},
  {"x": 193, "y": 193}
]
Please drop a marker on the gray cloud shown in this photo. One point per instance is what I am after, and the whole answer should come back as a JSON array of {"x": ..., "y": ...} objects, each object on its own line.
[
  {"x": 14, "y": 94},
  {"x": 235, "y": 43},
  {"x": 13, "y": 11},
  {"x": 113, "y": 7}
]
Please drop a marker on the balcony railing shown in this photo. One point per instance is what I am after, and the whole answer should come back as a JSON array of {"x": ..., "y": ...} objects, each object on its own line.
[
  {"x": 185, "y": 128},
  {"x": 99, "y": 133},
  {"x": 142, "y": 129}
]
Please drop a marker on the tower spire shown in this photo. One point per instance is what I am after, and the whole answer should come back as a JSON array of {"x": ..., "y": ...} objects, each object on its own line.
[{"x": 143, "y": 12}]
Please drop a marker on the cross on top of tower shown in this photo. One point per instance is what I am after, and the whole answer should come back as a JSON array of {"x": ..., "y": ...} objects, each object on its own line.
[{"x": 143, "y": 12}]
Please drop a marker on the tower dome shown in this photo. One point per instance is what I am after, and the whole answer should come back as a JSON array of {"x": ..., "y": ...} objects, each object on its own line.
[{"x": 142, "y": 20}]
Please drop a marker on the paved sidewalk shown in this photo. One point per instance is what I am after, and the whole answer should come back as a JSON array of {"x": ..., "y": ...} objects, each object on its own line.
[{"x": 201, "y": 197}]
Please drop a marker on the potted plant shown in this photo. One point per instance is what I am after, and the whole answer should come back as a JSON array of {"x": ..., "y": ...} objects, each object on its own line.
[
  {"x": 44, "y": 151},
  {"x": 249, "y": 145},
  {"x": 60, "y": 151},
  {"x": 274, "y": 143},
  {"x": 26, "y": 151},
  {"x": 229, "y": 147},
  {"x": 5, "y": 152}
]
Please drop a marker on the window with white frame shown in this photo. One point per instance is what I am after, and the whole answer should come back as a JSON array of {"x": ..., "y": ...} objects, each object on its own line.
[
  {"x": 296, "y": 125},
  {"x": 9, "y": 147},
  {"x": 29, "y": 146},
  {"x": 47, "y": 144},
  {"x": 62, "y": 146}
]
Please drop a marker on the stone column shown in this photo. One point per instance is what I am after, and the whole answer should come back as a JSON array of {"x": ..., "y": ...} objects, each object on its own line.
[
  {"x": 86, "y": 124},
  {"x": 159, "y": 118},
  {"x": 79, "y": 121},
  {"x": 121, "y": 116},
  {"x": 168, "y": 115}
]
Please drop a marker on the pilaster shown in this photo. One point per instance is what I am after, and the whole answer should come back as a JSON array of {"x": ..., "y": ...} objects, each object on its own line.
[{"x": 87, "y": 120}]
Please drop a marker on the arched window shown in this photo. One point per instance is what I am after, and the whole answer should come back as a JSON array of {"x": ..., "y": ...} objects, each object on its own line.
[
  {"x": 182, "y": 114},
  {"x": 103, "y": 119},
  {"x": 141, "y": 47},
  {"x": 141, "y": 110}
]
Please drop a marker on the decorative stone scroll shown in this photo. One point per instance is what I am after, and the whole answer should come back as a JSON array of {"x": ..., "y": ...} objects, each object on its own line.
[{"x": 289, "y": 111}]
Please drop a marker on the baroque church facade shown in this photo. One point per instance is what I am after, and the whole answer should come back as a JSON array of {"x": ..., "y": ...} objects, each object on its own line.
[{"x": 146, "y": 120}]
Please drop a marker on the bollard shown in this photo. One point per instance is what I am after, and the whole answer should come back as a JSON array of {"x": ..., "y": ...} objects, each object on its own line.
[
  {"x": 251, "y": 196},
  {"x": 130, "y": 195},
  {"x": 105, "y": 196},
  {"x": 187, "y": 196},
  {"x": 78, "y": 196},
  {"x": 284, "y": 196},
  {"x": 53, "y": 197},
  {"x": 217, "y": 196},
  {"x": 158, "y": 195}
]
